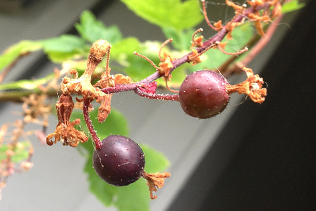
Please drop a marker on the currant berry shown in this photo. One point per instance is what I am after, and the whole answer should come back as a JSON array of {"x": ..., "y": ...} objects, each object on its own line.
[
  {"x": 120, "y": 161},
  {"x": 203, "y": 94}
]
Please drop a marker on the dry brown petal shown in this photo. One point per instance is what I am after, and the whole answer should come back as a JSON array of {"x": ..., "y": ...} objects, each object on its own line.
[
  {"x": 122, "y": 79},
  {"x": 194, "y": 57},
  {"x": 198, "y": 42},
  {"x": 218, "y": 25},
  {"x": 166, "y": 65},
  {"x": 154, "y": 181},
  {"x": 236, "y": 7},
  {"x": 277, "y": 10},
  {"x": 105, "y": 108}
]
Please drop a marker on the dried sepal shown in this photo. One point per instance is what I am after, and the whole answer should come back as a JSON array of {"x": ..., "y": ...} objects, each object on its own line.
[
  {"x": 252, "y": 87},
  {"x": 277, "y": 10},
  {"x": 256, "y": 16},
  {"x": 165, "y": 65},
  {"x": 194, "y": 57},
  {"x": 105, "y": 107},
  {"x": 106, "y": 80},
  {"x": 154, "y": 181},
  {"x": 67, "y": 134},
  {"x": 65, "y": 130},
  {"x": 236, "y": 7},
  {"x": 218, "y": 25},
  {"x": 122, "y": 79}
]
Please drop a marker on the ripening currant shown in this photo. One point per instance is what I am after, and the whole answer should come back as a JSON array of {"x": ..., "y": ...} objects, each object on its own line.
[
  {"x": 203, "y": 94},
  {"x": 120, "y": 161}
]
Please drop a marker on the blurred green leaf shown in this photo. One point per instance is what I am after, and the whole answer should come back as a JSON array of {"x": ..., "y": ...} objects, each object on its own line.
[
  {"x": 181, "y": 38},
  {"x": 26, "y": 84},
  {"x": 92, "y": 29},
  {"x": 14, "y": 51},
  {"x": 133, "y": 197},
  {"x": 65, "y": 43},
  {"x": 134, "y": 66},
  {"x": 292, "y": 6},
  {"x": 65, "y": 47},
  {"x": 155, "y": 161},
  {"x": 167, "y": 13},
  {"x": 126, "y": 199}
]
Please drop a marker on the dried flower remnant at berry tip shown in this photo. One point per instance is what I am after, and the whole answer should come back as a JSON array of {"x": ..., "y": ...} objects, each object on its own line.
[
  {"x": 252, "y": 87},
  {"x": 154, "y": 181},
  {"x": 65, "y": 130}
]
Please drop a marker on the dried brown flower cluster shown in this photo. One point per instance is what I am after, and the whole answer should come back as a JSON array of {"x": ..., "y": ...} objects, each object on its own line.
[
  {"x": 65, "y": 131},
  {"x": 252, "y": 87}
]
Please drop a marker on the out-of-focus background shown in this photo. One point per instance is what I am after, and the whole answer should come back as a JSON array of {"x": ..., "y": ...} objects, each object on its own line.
[{"x": 250, "y": 157}]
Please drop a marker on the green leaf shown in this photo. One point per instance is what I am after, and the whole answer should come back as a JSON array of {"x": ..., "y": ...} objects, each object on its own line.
[
  {"x": 214, "y": 58},
  {"x": 133, "y": 197},
  {"x": 92, "y": 29},
  {"x": 26, "y": 84},
  {"x": 124, "y": 198},
  {"x": 181, "y": 38},
  {"x": 65, "y": 43},
  {"x": 14, "y": 51},
  {"x": 167, "y": 13},
  {"x": 134, "y": 66},
  {"x": 155, "y": 161},
  {"x": 65, "y": 47},
  {"x": 121, "y": 50},
  {"x": 292, "y": 6},
  {"x": 103, "y": 191}
]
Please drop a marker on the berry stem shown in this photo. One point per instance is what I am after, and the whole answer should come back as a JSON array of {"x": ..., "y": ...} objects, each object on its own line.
[
  {"x": 98, "y": 143},
  {"x": 174, "y": 97}
]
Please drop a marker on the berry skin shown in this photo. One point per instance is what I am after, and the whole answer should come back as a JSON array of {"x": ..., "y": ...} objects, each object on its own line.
[
  {"x": 120, "y": 161},
  {"x": 203, "y": 94}
]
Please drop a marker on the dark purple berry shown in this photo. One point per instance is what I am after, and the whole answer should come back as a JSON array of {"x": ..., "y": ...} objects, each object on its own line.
[
  {"x": 120, "y": 161},
  {"x": 203, "y": 94}
]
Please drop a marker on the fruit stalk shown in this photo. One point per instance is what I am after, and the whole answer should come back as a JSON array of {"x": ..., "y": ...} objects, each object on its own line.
[{"x": 87, "y": 119}]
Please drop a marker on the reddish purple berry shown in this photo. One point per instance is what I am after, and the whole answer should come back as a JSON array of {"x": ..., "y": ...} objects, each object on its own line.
[
  {"x": 203, "y": 94},
  {"x": 120, "y": 161}
]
